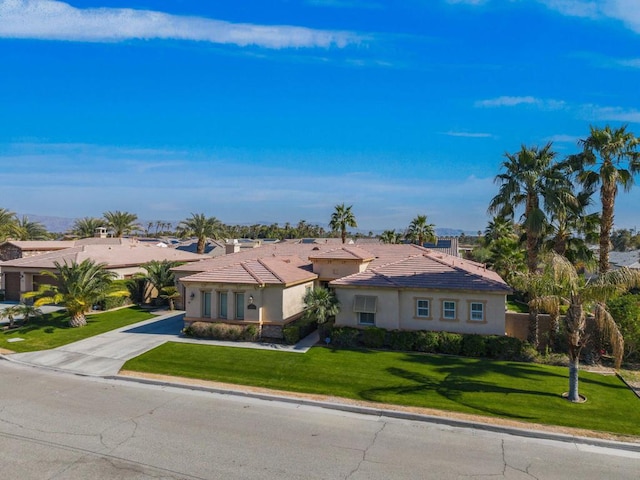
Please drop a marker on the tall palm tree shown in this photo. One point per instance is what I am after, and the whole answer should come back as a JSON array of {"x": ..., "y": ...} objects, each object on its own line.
[
  {"x": 420, "y": 231},
  {"x": 341, "y": 218},
  {"x": 24, "y": 229},
  {"x": 498, "y": 228},
  {"x": 201, "y": 227},
  {"x": 321, "y": 305},
  {"x": 610, "y": 158},
  {"x": 78, "y": 286},
  {"x": 389, "y": 236},
  {"x": 7, "y": 221},
  {"x": 86, "y": 227},
  {"x": 159, "y": 274},
  {"x": 121, "y": 222},
  {"x": 564, "y": 285},
  {"x": 532, "y": 179}
]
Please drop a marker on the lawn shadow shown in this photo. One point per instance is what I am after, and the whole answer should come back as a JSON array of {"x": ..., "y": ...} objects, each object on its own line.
[{"x": 458, "y": 382}]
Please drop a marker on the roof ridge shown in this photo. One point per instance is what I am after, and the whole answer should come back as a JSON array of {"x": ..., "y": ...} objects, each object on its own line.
[
  {"x": 270, "y": 270},
  {"x": 251, "y": 272},
  {"x": 464, "y": 270}
]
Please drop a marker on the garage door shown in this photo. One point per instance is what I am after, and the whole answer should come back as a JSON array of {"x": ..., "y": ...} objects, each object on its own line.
[{"x": 12, "y": 286}]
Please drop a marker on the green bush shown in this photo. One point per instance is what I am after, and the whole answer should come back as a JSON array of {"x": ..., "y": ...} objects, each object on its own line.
[
  {"x": 504, "y": 348},
  {"x": 346, "y": 337},
  {"x": 450, "y": 343},
  {"x": 626, "y": 312},
  {"x": 474, "y": 346},
  {"x": 291, "y": 334},
  {"x": 251, "y": 333},
  {"x": 402, "y": 340},
  {"x": 373, "y": 337},
  {"x": 222, "y": 331},
  {"x": 427, "y": 342}
]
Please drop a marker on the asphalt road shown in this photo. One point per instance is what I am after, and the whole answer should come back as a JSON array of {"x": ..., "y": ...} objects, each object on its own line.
[{"x": 60, "y": 426}]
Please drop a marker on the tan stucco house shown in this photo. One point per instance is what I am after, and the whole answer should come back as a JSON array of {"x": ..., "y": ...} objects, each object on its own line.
[
  {"x": 390, "y": 286},
  {"x": 123, "y": 256}
]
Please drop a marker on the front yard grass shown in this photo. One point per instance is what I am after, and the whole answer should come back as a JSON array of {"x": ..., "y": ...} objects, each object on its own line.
[
  {"x": 513, "y": 390},
  {"x": 53, "y": 330}
]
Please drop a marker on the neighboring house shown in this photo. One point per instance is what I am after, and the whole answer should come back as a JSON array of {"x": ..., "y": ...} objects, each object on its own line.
[
  {"x": 630, "y": 259},
  {"x": 448, "y": 245},
  {"x": 390, "y": 286},
  {"x": 122, "y": 256},
  {"x": 12, "y": 249}
]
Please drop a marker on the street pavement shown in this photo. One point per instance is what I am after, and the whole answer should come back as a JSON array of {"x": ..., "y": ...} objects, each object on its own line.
[
  {"x": 104, "y": 355},
  {"x": 59, "y": 426}
]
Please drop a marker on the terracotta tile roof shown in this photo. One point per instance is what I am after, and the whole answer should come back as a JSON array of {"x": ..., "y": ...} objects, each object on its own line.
[
  {"x": 428, "y": 270},
  {"x": 348, "y": 252},
  {"x": 285, "y": 270},
  {"x": 115, "y": 256},
  {"x": 41, "y": 244}
]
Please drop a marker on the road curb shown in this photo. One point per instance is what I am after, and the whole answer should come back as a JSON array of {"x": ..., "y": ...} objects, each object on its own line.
[{"x": 381, "y": 412}]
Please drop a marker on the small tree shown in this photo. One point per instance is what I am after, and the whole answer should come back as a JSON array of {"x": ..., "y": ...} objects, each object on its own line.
[
  {"x": 321, "y": 305},
  {"x": 170, "y": 294},
  {"x": 78, "y": 287}
]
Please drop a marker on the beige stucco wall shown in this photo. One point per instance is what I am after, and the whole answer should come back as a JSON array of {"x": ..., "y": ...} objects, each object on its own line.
[
  {"x": 396, "y": 310},
  {"x": 274, "y": 303},
  {"x": 332, "y": 269}
]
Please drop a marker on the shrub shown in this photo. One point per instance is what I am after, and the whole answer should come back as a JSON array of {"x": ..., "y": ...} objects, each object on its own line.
[
  {"x": 222, "y": 331},
  {"x": 401, "y": 340},
  {"x": 373, "y": 337},
  {"x": 346, "y": 337},
  {"x": 251, "y": 333},
  {"x": 626, "y": 312},
  {"x": 504, "y": 348},
  {"x": 450, "y": 343},
  {"x": 428, "y": 342},
  {"x": 291, "y": 334},
  {"x": 474, "y": 346}
]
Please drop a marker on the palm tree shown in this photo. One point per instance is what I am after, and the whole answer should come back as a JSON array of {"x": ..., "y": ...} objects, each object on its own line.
[
  {"x": 201, "y": 227},
  {"x": 170, "y": 294},
  {"x": 610, "y": 159},
  {"x": 10, "y": 313},
  {"x": 321, "y": 305},
  {"x": 389, "y": 236},
  {"x": 564, "y": 285},
  {"x": 159, "y": 274},
  {"x": 78, "y": 286},
  {"x": 23, "y": 229},
  {"x": 121, "y": 222},
  {"x": 27, "y": 312},
  {"x": 498, "y": 228},
  {"x": 341, "y": 218},
  {"x": 532, "y": 179},
  {"x": 86, "y": 227},
  {"x": 7, "y": 221},
  {"x": 420, "y": 231}
]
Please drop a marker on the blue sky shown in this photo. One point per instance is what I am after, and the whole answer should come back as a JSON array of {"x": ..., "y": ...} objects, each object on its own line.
[{"x": 277, "y": 110}]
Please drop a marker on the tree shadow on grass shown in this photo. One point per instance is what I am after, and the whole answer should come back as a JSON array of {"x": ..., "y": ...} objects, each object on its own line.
[{"x": 455, "y": 387}]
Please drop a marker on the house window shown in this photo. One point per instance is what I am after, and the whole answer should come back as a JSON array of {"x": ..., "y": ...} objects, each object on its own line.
[
  {"x": 206, "y": 304},
  {"x": 422, "y": 308},
  {"x": 476, "y": 312},
  {"x": 239, "y": 306},
  {"x": 222, "y": 304},
  {"x": 449, "y": 310},
  {"x": 365, "y": 308}
]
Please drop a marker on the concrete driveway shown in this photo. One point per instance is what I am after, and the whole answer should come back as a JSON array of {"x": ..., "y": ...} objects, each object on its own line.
[{"x": 106, "y": 353}]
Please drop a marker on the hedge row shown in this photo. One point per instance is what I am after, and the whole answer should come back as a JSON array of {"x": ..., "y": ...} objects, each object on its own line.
[
  {"x": 222, "y": 331},
  {"x": 469, "y": 345},
  {"x": 298, "y": 329}
]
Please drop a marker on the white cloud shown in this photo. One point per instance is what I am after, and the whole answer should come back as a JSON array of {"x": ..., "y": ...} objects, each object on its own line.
[
  {"x": 56, "y": 20},
  {"x": 468, "y": 134},
  {"x": 618, "y": 114},
  {"x": 574, "y": 8},
  {"x": 507, "y": 101},
  {"x": 626, "y": 11},
  {"x": 562, "y": 138}
]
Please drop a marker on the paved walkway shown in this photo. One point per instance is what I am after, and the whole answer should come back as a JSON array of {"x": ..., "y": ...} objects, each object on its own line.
[{"x": 105, "y": 354}]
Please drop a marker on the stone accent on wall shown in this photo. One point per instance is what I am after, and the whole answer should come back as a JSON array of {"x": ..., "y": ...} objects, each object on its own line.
[{"x": 272, "y": 331}]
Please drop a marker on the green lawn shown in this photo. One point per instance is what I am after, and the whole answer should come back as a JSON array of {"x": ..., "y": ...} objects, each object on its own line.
[
  {"x": 52, "y": 330},
  {"x": 519, "y": 391}
]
